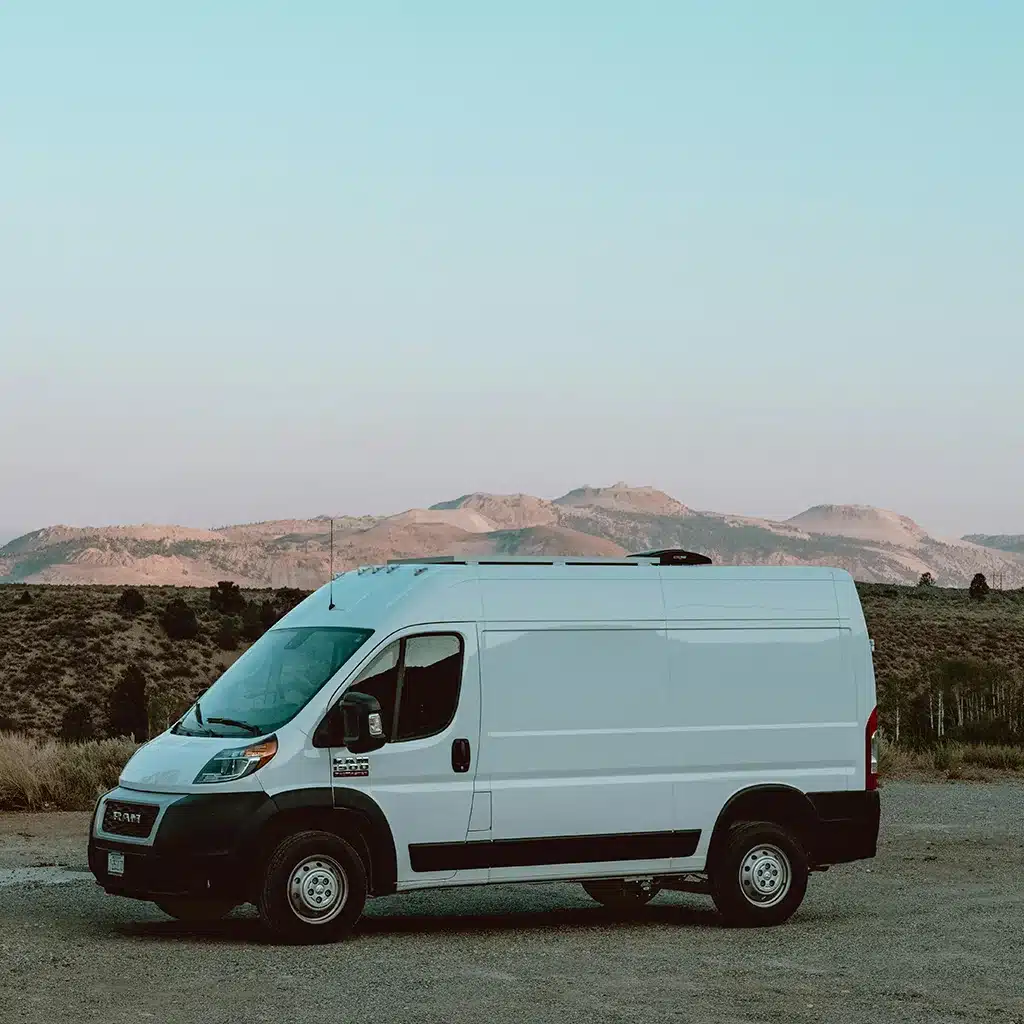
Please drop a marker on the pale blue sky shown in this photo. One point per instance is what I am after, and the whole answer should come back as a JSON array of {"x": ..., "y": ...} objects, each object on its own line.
[{"x": 279, "y": 259}]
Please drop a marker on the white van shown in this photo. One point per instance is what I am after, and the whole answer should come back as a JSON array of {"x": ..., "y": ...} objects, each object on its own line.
[{"x": 632, "y": 724}]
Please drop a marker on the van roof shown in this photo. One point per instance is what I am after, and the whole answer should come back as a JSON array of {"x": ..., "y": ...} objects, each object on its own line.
[
  {"x": 665, "y": 556},
  {"x": 522, "y": 560},
  {"x": 479, "y": 566},
  {"x": 456, "y": 589}
]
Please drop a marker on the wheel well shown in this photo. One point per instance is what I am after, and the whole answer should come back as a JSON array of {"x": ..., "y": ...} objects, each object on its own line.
[
  {"x": 781, "y": 805},
  {"x": 348, "y": 825}
]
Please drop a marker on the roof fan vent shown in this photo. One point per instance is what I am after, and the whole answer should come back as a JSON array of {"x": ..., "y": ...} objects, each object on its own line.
[{"x": 675, "y": 556}]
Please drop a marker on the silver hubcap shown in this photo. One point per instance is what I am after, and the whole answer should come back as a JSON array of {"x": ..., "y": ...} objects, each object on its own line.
[
  {"x": 317, "y": 890},
  {"x": 765, "y": 876}
]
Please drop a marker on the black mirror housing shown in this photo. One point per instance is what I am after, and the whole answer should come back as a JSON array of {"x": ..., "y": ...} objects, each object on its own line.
[
  {"x": 363, "y": 723},
  {"x": 355, "y": 723}
]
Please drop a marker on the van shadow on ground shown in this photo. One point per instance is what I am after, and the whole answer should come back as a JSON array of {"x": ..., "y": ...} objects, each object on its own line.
[{"x": 244, "y": 926}]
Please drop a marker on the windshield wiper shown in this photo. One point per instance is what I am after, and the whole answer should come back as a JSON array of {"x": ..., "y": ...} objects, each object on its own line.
[
  {"x": 253, "y": 731},
  {"x": 199, "y": 721}
]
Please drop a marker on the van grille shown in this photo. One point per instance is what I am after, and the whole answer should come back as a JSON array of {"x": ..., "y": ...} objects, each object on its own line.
[{"x": 135, "y": 820}]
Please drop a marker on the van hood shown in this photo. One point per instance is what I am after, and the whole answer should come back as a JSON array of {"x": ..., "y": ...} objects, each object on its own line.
[{"x": 168, "y": 764}]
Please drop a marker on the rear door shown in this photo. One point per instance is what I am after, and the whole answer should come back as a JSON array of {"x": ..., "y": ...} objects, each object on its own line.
[
  {"x": 761, "y": 692},
  {"x": 428, "y": 685}
]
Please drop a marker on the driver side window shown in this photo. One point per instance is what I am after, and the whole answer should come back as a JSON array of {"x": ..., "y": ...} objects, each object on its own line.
[
  {"x": 417, "y": 681},
  {"x": 380, "y": 679}
]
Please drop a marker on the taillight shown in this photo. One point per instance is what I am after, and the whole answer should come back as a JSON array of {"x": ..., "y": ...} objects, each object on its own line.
[{"x": 871, "y": 750}]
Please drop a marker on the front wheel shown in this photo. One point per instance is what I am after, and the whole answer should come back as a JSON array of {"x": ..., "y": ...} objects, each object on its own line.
[
  {"x": 196, "y": 911},
  {"x": 618, "y": 894},
  {"x": 314, "y": 888},
  {"x": 760, "y": 876}
]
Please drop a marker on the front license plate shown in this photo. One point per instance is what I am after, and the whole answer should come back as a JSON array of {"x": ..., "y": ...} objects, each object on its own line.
[{"x": 115, "y": 863}]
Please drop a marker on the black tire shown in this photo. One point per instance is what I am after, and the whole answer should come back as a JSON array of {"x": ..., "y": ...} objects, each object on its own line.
[
  {"x": 759, "y": 876},
  {"x": 618, "y": 894},
  {"x": 196, "y": 911},
  {"x": 332, "y": 871}
]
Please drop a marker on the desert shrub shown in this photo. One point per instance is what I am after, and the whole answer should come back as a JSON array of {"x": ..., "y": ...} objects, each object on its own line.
[
  {"x": 288, "y": 597},
  {"x": 252, "y": 623},
  {"x": 77, "y": 722},
  {"x": 948, "y": 758},
  {"x": 894, "y": 761},
  {"x": 228, "y": 634},
  {"x": 165, "y": 707},
  {"x": 179, "y": 620},
  {"x": 269, "y": 614},
  {"x": 130, "y": 603},
  {"x": 46, "y": 774},
  {"x": 226, "y": 598},
  {"x": 127, "y": 712}
]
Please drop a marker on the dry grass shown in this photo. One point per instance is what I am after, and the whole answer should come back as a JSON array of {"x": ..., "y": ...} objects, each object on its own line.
[
  {"x": 976, "y": 762},
  {"x": 49, "y": 775}
]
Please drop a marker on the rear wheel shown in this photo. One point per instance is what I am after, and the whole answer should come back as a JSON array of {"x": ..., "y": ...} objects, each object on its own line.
[
  {"x": 760, "y": 875},
  {"x": 196, "y": 911},
  {"x": 314, "y": 888},
  {"x": 620, "y": 894}
]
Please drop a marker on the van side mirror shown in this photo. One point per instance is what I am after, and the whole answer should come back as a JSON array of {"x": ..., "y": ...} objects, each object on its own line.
[{"x": 355, "y": 722}]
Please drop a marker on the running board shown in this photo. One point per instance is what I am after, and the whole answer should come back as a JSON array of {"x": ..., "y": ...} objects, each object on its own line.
[{"x": 685, "y": 883}]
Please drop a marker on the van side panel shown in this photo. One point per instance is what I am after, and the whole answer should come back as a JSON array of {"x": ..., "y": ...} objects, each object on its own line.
[
  {"x": 571, "y": 749},
  {"x": 762, "y": 693},
  {"x": 561, "y": 595},
  {"x": 720, "y": 595}
]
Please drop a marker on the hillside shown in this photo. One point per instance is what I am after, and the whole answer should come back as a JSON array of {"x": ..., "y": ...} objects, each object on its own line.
[
  {"x": 1000, "y": 541},
  {"x": 65, "y": 649},
  {"x": 875, "y": 545}
]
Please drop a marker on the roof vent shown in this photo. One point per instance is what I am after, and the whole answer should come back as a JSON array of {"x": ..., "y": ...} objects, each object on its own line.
[{"x": 675, "y": 556}]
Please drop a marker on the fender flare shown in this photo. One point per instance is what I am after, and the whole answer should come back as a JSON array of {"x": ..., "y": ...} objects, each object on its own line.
[{"x": 339, "y": 804}]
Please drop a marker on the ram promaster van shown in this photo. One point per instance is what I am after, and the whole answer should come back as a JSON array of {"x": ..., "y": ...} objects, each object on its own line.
[{"x": 636, "y": 724}]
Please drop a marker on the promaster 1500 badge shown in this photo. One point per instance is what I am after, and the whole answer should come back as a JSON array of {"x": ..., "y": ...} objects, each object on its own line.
[{"x": 351, "y": 767}]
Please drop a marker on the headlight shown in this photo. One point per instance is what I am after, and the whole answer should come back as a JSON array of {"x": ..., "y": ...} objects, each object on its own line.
[{"x": 237, "y": 762}]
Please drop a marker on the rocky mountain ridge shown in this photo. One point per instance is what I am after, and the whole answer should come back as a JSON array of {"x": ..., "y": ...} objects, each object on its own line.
[{"x": 876, "y": 545}]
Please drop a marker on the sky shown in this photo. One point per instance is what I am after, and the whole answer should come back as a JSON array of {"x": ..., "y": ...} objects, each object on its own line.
[{"x": 264, "y": 260}]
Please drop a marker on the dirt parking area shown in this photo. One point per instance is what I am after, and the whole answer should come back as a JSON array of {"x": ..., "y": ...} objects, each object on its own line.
[{"x": 932, "y": 930}]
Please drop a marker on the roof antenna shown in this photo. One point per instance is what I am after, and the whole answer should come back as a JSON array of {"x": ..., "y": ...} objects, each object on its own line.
[{"x": 330, "y": 606}]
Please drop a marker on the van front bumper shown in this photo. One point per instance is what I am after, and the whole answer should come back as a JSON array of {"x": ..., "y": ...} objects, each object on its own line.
[{"x": 199, "y": 846}]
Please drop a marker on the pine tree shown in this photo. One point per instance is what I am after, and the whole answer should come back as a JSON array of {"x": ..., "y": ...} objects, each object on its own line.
[{"x": 127, "y": 710}]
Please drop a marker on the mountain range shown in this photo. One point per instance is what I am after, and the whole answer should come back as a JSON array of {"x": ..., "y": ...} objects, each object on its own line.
[{"x": 874, "y": 544}]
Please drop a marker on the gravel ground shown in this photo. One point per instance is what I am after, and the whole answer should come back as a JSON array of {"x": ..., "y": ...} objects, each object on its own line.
[{"x": 932, "y": 930}]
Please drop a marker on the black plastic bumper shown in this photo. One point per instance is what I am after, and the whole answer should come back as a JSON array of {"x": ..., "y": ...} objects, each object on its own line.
[
  {"x": 202, "y": 848},
  {"x": 847, "y": 826}
]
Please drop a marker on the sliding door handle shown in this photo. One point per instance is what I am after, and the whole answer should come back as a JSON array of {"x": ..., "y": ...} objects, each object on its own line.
[{"x": 460, "y": 755}]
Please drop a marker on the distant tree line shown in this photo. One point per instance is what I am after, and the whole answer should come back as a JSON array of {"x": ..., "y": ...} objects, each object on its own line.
[
  {"x": 962, "y": 699},
  {"x": 978, "y": 589}
]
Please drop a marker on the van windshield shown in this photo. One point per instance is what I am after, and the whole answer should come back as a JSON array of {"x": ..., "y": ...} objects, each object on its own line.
[{"x": 272, "y": 682}]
